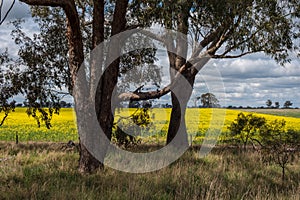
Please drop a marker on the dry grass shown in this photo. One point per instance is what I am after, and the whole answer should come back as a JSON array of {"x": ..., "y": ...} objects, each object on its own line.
[{"x": 49, "y": 171}]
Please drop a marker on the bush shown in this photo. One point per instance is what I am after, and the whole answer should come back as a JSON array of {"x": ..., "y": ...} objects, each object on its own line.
[
  {"x": 245, "y": 128},
  {"x": 279, "y": 146},
  {"x": 127, "y": 129}
]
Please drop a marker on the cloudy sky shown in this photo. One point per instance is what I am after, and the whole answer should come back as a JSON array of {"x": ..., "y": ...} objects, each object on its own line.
[{"x": 248, "y": 81}]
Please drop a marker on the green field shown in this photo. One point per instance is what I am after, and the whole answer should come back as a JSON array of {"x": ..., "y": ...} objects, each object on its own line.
[
  {"x": 198, "y": 122},
  {"x": 277, "y": 112}
]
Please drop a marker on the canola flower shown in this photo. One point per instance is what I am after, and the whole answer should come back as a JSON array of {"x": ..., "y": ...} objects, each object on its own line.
[
  {"x": 198, "y": 121},
  {"x": 18, "y": 122}
]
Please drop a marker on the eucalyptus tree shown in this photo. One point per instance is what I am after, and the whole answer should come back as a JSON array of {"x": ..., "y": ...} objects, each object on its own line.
[
  {"x": 209, "y": 100},
  {"x": 49, "y": 61},
  {"x": 221, "y": 30},
  {"x": 287, "y": 104},
  {"x": 269, "y": 103}
]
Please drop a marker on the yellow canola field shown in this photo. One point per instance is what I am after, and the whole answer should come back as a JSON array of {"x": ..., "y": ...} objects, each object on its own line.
[
  {"x": 18, "y": 122},
  {"x": 64, "y": 128}
]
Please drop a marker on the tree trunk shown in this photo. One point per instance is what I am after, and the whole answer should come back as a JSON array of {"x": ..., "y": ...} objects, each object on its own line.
[
  {"x": 87, "y": 162},
  {"x": 177, "y": 125},
  {"x": 107, "y": 84},
  {"x": 181, "y": 94},
  {"x": 283, "y": 174}
]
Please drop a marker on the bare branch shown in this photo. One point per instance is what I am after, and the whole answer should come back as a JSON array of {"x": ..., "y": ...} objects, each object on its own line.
[
  {"x": 87, "y": 23},
  {"x": 138, "y": 89},
  {"x": 224, "y": 35},
  {"x": 8, "y": 11},
  {"x": 137, "y": 96},
  {"x": 6, "y": 115},
  {"x": 52, "y": 3},
  {"x": 135, "y": 26},
  {"x": 240, "y": 43},
  {"x": 207, "y": 40},
  {"x": 144, "y": 95},
  {"x": 1, "y": 6},
  {"x": 243, "y": 54},
  {"x": 233, "y": 56}
]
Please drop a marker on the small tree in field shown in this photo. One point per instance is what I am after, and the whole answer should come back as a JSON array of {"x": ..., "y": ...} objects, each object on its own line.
[
  {"x": 269, "y": 103},
  {"x": 245, "y": 128},
  {"x": 279, "y": 146},
  {"x": 288, "y": 104},
  {"x": 209, "y": 100}
]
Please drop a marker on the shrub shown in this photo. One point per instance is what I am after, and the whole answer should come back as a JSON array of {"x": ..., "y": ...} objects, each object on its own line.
[
  {"x": 127, "y": 129},
  {"x": 279, "y": 146},
  {"x": 245, "y": 128}
]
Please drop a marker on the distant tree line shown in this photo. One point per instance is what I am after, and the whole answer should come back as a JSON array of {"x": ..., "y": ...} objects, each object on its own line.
[
  {"x": 269, "y": 104},
  {"x": 62, "y": 104},
  {"x": 287, "y": 104}
]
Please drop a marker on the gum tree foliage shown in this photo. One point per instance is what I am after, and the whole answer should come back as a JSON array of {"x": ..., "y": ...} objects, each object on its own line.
[
  {"x": 279, "y": 145},
  {"x": 42, "y": 73},
  {"x": 6, "y": 88},
  {"x": 245, "y": 128},
  {"x": 221, "y": 29},
  {"x": 45, "y": 65}
]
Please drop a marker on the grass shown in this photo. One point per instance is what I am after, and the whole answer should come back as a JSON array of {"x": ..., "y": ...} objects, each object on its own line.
[
  {"x": 49, "y": 171},
  {"x": 278, "y": 112}
]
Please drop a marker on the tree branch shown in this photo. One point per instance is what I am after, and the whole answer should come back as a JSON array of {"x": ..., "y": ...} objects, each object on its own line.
[
  {"x": 138, "y": 89},
  {"x": 8, "y": 11},
  {"x": 224, "y": 36},
  {"x": 207, "y": 40},
  {"x": 6, "y": 115},
  {"x": 233, "y": 56},
  {"x": 1, "y": 5},
  {"x": 240, "y": 43},
  {"x": 134, "y": 26},
  {"x": 52, "y": 3},
  {"x": 136, "y": 96}
]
